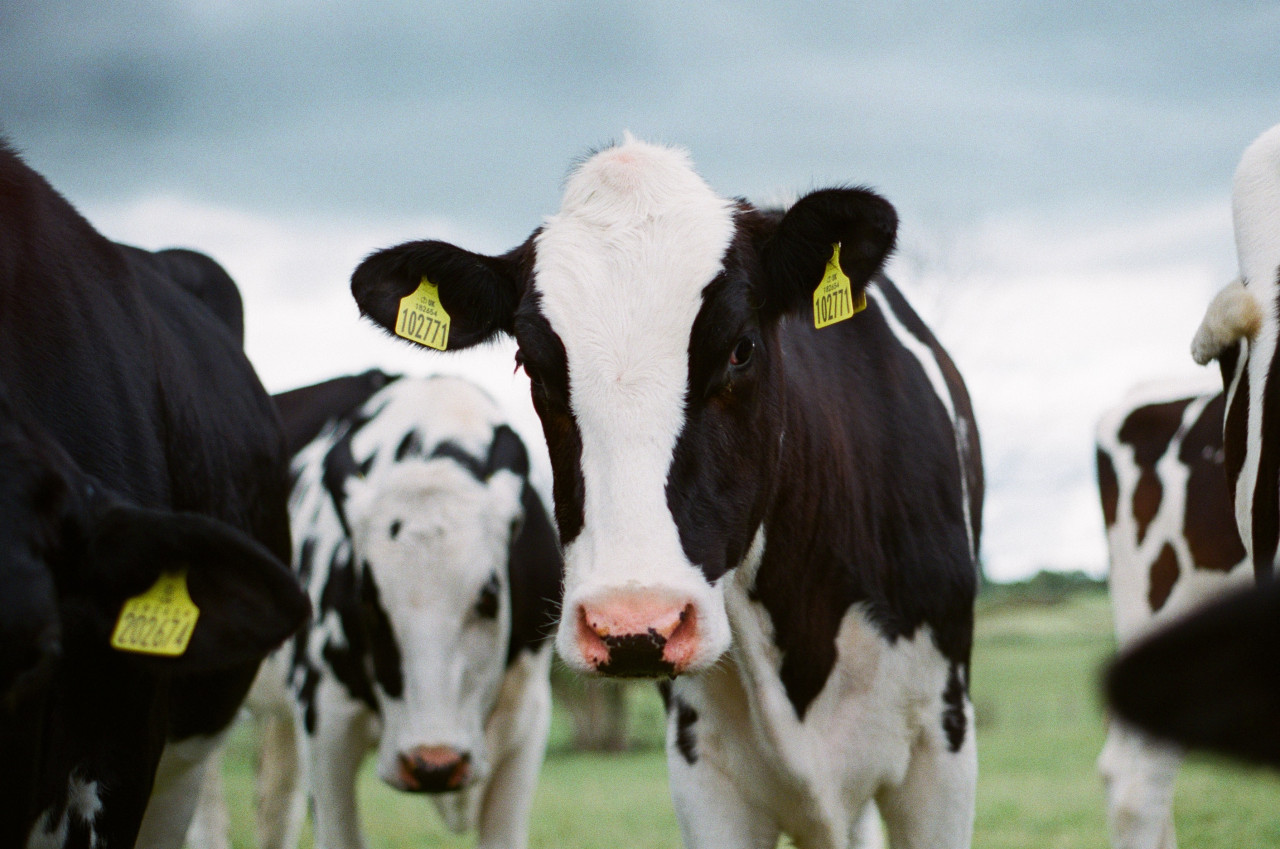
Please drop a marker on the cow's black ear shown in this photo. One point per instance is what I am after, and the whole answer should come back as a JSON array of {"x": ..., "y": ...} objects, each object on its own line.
[
  {"x": 480, "y": 293},
  {"x": 795, "y": 256},
  {"x": 248, "y": 601},
  {"x": 1211, "y": 680}
]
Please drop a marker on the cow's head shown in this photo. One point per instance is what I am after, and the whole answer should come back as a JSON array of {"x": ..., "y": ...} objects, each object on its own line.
[
  {"x": 432, "y": 537},
  {"x": 647, "y": 313},
  {"x": 72, "y": 553}
]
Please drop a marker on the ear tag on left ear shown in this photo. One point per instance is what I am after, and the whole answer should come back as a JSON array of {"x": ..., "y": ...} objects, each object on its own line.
[
  {"x": 833, "y": 299},
  {"x": 422, "y": 318},
  {"x": 160, "y": 621}
]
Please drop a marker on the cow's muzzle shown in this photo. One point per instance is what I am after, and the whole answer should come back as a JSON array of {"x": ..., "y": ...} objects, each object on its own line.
[
  {"x": 433, "y": 769},
  {"x": 638, "y": 637}
]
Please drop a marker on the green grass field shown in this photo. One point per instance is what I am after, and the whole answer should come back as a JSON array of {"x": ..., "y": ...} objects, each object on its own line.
[{"x": 1040, "y": 728}]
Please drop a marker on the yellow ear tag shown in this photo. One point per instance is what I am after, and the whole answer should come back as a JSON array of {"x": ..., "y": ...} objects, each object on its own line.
[
  {"x": 833, "y": 299},
  {"x": 422, "y": 318},
  {"x": 160, "y": 621}
]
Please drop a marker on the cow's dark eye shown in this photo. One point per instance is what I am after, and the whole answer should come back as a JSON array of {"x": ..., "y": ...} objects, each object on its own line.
[
  {"x": 487, "y": 604},
  {"x": 395, "y": 528},
  {"x": 742, "y": 352}
]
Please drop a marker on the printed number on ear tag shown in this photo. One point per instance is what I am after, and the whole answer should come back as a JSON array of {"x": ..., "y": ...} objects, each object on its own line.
[
  {"x": 160, "y": 621},
  {"x": 422, "y": 318},
  {"x": 833, "y": 299}
]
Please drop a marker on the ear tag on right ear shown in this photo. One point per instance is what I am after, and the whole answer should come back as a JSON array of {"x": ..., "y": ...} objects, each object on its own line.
[
  {"x": 833, "y": 299},
  {"x": 422, "y": 318},
  {"x": 160, "y": 621}
]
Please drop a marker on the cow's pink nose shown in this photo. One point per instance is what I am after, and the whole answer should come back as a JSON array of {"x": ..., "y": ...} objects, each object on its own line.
[
  {"x": 434, "y": 769},
  {"x": 638, "y": 637}
]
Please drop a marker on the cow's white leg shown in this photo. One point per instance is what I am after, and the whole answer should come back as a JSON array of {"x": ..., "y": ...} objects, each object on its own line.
[
  {"x": 1139, "y": 775},
  {"x": 518, "y": 728},
  {"x": 933, "y": 806},
  {"x": 335, "y": 753},
  {"x": 211, "y": 824},
  {"x": 281, "y": 800},
  {"x": 177, "y": 789},
  {"x": 711, "y": 811},
  {"x": 867, "y": 832}
]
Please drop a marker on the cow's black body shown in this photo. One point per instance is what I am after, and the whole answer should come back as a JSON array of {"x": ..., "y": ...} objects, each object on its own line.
[{"x": 127, "y": 388}]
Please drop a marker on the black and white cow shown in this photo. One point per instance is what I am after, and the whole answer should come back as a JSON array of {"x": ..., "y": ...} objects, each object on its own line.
[
  {"x": 783, "y": 518},
  {"x": 1209, "y": 680},
  {"x": 435, "y": 576},
  {"x": 1212, "y": 680},
  {"x": 1173, "y": 546},
  {"x": 140, "y": 455},
  {"x": 1240, "y": 329}
]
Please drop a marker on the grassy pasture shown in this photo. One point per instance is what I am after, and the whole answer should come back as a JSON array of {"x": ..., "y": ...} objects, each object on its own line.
[{"x": 1040, "y": 729}]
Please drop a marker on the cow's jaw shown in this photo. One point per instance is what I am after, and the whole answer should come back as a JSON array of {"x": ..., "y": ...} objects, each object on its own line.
[{"x": 620, "y": 274}]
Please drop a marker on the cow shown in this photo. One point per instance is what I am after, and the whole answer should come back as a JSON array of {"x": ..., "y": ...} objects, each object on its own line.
[
  {"x": 1173, "y": 546},
  {"x": 1239, "y": 330},
  {"x": 1210, "y": 680},
  {"x": 145, "y": 529},
  {"x": 766, "y": 480},
  {"x": 434, "y": 574}
]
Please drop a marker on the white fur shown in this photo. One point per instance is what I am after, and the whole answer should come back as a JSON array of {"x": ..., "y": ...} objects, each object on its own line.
[
  {"x": 84, "y": 803},
  {"x": 1138, "y": 771},
  {"x": 621, "y": 269},
  {"x": 1255, "y": 201},
  {"x": 1233, "y": 314}
]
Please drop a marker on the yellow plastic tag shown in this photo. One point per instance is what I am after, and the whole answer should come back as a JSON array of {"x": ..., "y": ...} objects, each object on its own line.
[
  {"x": 422, "y": 318},
  {"x": 833, "y": 299},
  {"x": 160, "y": 621}
]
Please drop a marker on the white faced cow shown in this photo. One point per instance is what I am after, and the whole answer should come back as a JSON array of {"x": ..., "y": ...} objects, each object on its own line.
[
  {"x": 143, "y": 526},
  {"x": 782, "y": 518},
  {"x": 435, "y": 576},
  {"x": 1240, "y": 330},
  {"x": 1173, "y": 546}
]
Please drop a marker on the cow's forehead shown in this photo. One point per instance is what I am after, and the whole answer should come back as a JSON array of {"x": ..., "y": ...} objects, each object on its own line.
[
  {"x": 620, "y": 272},
  {"x": 622, "y": 266}
]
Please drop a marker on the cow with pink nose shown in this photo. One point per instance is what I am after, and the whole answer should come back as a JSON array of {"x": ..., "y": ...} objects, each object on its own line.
[{"x": 767, "y": 485}]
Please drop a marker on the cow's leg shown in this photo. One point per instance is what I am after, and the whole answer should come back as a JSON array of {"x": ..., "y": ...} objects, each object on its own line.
[
  {"x": 334, "y": 754},
  {"x": 177, "y": 789},
  {"x": 211, "y": 824},
  {"x": 867, "y": 831},
  {"x": 520, "y": 732},
  {"x": 1139, "y": 776},
  {"x": 281, "y": 800},
  {"x": 712, "y": 812},
  {"x": 933, "y": 806}
]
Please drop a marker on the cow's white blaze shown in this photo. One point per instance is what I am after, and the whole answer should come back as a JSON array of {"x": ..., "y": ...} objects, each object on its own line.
[
  {"x": 451, "y": 538},
  {"x": 621, "y": 270}
]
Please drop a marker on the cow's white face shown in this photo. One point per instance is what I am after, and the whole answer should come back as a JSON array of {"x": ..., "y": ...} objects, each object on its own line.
[
  {"x": 435, "y": 543},
  {"x": 648, "y": 314},
  {"x": 620, "y": 272}
]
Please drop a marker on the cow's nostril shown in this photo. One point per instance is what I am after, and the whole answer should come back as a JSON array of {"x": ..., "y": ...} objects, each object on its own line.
[{"x": 636, "y": 656}]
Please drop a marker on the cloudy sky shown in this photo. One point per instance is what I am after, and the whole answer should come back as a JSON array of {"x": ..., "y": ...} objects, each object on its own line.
[{"x": 1062, "y": 171}]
